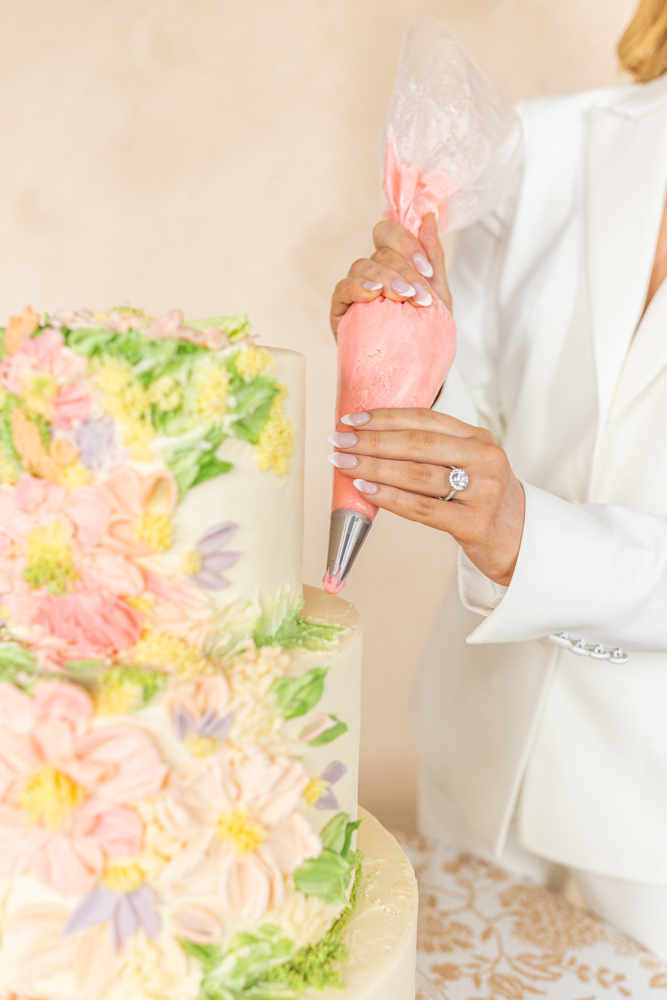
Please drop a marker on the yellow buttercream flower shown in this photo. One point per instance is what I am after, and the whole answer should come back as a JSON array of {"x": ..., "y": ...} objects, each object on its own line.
[
  {"x": 49, "y": 559},
  {"x": 191, "y": 562},
  {"x": 315, "y": 789},
  {"x": 252, "y": 362},
  {"x": 159, "y": 649},
  {"x": 212, "y": 388},
  {"x": 276, "y": 442},
  {"x": 38, "y": 391},
  {"x": 123, "y": 876},
  {"x": 155, "y": 530},
  {"x": 74, "y": 475},
  {"x": 201, "y": 746},
  {"x": 137, "y": 435},
  {"x": 49, "y": 796},
  {"x": 166, "y": 394},
  {"x": 244, "y": 831},
  {"x": 119, "y": 699}
]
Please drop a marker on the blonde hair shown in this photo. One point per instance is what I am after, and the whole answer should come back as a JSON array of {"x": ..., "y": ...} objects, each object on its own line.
[{"x": 643, "y": 47}]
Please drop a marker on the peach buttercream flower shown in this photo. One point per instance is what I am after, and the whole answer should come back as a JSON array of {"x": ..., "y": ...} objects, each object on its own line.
[
  {"x": 141, "y": 509},
  {"x": 241, "y": 834},
  {"x": 65, "y": 789},
  {"x": 19, "y": 327},
  {"x": 35, "y": 931}
]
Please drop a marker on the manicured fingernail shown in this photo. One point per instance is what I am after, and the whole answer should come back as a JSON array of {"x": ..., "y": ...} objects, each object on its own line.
[
  {"x": 374, "y": 286},
  {"x": 423, "y": 297},
  {"x": 355, "y": 419},
  {"x": 365, "y": 487},
  {"x": 343, "y": 440},
  {"x": 423, "y": 265},
  {"x": 343, "y": 461},
  {"x": 402, "y": 288}
]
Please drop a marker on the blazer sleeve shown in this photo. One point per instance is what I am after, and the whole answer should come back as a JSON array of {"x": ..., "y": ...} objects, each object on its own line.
[{"x": 597, "y": 571}]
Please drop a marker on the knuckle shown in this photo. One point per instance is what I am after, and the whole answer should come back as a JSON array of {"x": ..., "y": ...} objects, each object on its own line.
[
  {"x": 419, "y": 475},
  {"x": 418, "y": 439},
  {"x": 486, "y": 436},
  {"x": 360, "y": 265},
  {"x": 423, "y": 506}
]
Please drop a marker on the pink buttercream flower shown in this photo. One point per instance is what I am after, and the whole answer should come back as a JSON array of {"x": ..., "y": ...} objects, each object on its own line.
[
  {"x": 240, "y": 832},
  {"x": 56, "y": 575},
  {"x": 65, "y": 789},
  {"x": 48, "y": 377}
]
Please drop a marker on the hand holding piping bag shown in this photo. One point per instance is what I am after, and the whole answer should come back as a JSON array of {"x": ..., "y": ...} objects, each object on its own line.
[{"x": 452, "y": 143}]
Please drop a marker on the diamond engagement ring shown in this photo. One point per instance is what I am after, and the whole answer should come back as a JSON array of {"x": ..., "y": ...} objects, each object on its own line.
[{"x": 458, "y": 480}]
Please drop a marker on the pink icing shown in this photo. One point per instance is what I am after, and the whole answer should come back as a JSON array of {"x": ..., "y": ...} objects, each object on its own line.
[{"x": 393, "y": 354}]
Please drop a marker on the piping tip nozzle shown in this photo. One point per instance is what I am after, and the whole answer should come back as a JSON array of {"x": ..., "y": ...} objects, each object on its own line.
[{"x": 347, "y": 533}]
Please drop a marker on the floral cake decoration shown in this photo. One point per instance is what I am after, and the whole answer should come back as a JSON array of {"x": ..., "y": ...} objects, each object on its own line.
[{"x": 151, "y": 741}]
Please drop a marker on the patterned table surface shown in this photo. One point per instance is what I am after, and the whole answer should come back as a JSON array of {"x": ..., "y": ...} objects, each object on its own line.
[{"x": 486, "y": 935}]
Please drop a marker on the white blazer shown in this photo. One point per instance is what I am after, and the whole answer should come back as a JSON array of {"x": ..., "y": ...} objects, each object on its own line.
[{"x": 548, "y": 294}]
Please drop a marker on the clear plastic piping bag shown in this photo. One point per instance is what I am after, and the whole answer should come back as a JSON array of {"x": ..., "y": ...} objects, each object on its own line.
[{"x": 452, "y": 145}]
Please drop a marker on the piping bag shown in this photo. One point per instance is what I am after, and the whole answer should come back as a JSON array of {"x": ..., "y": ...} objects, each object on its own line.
[{"x": 452, "y": 145}]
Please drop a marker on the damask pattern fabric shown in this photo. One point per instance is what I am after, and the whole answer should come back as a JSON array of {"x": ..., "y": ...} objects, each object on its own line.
[{"x": 485, "y": 935}]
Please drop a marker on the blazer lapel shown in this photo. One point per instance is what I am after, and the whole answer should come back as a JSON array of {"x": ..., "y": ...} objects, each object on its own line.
[{"x": 626, "y": 183}]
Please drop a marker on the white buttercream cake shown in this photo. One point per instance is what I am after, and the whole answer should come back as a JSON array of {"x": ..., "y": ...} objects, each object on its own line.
[{"x": 179, "y": 728}]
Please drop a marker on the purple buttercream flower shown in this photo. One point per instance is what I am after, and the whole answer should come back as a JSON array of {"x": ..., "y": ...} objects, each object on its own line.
[
  {"x": 99, "y": 445},
  {"x": 214, "y": 726},
  {"x": 331, "y": 774},
  {"x": 126, "y": 912},
  {"x": 206, "y": 562}
]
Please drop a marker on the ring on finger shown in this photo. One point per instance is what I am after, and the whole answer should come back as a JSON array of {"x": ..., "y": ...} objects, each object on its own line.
[{"x": 458, "y": 480}]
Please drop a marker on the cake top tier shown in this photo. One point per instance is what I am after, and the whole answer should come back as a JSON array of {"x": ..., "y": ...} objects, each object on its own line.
[{"x": 119, "y": 521}]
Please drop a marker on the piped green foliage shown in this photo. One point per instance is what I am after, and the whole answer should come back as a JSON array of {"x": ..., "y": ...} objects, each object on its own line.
[
  {"x": 263, "y": 965},
  {"x": 281, "y": 624},
  {"x": 297, "y": 695},
  {"x": 328, "y": 876},
  {"x": 330, "y": 734}
]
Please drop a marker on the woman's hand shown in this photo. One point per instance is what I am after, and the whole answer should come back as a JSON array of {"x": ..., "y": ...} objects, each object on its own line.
[
  {"x": 397, "y": 270},
  {"x": 401, "y": 461}
]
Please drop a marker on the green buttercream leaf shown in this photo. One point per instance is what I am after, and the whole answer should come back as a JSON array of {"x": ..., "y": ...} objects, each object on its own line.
[
  {"x": 211, "y": 467},
  {"x": 297, "y": 695},
  {"x": 234, "y": 326},
  {"x": 281, "y": 624},
  {"x": 349, "y": 830},
  {"x": 194, "y": 461},
  {"x": 254, "y": 401},
  {"x": 14, "y": 657},
  {"x": 333, "y": 834},
  {"x": 330, "y": 734},
  {"x": 327, "y": 876}
]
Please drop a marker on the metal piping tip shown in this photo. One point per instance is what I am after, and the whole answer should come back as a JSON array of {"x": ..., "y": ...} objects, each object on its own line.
[{"x": 347, "y": 533}]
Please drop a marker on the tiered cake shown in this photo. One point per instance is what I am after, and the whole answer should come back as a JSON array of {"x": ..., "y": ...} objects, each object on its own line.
[{"x": 179, "y": 733}]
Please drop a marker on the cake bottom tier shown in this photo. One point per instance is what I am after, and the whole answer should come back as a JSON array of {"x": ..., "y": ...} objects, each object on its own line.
[{"x": 381, "y": 937}]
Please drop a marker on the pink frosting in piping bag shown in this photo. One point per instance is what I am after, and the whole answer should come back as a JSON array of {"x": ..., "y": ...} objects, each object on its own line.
[{"x": 393, "y": 354}]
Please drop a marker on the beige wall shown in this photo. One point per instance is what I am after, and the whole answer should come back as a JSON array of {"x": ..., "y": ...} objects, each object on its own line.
[{"x": 222, "y": 156}]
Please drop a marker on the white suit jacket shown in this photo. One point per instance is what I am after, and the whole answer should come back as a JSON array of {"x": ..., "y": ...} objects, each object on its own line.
[{"x": 548, "y": 294}]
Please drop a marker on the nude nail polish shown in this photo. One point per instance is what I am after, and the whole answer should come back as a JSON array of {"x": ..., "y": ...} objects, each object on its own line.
[
  {"x": 343, "y": 461},
  {"x": 355, "y": 419},
  {"x": 343, "y": 440},
  {"x": 373, "y": 286},
  {"x": 365, "y": 487},
  {"x": 423, "y": 265},
  {"x": 422, "y": 297},
  {"x": 402, "y": 288}
]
